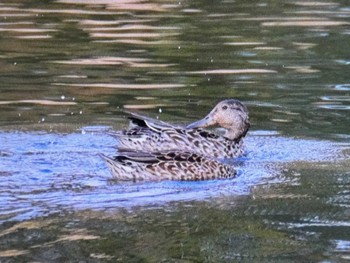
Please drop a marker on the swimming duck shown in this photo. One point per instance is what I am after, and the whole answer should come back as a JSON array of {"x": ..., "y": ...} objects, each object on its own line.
[
  {"x": 169, "y": 165},
  {"x": 154, "y": 150},
  {"x": 148, "y": 135}
]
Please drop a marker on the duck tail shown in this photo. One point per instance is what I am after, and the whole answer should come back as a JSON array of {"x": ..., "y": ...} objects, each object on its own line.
[{"x": 119, "y": 170}]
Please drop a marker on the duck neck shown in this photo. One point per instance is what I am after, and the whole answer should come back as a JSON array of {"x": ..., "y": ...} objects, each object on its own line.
[
  {"x": 232, "y": 135},
  {"x": 236, "y": 134}
]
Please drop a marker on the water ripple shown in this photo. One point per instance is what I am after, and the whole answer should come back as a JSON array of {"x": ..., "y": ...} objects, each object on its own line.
[
  {"x": 316, "y": 23},
  {"x": 65, "y": 171},
  {"x": 343, "y": 87},
  {"x": 233, "y": 71},
  {"x": 39, "y": 102},
  {"x": 124, "y": 86},
  {"x": 131, "y": 62}
]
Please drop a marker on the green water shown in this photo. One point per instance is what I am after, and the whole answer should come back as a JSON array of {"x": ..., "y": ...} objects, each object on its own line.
[{"x": 71, "y": 69}]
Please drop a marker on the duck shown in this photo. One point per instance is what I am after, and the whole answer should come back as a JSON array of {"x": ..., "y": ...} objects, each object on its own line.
[
  {"x": 135, "y": 166},
  {"x": 149, "y": 135},
  {"x": 155, "y": 150}
]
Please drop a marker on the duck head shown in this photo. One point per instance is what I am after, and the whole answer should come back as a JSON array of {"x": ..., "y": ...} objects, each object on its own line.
[{"x": 230, "y": 114}]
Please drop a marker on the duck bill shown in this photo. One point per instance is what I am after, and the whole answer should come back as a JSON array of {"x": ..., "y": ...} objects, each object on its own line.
[{"x": 205, "y": 122}]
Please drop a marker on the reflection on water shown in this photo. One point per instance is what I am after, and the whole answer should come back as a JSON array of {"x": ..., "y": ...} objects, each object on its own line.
[
  {"x": 63, "y": 174},
  {"x": 69, "y": 64},
  {"x": 61, "y": 171}
]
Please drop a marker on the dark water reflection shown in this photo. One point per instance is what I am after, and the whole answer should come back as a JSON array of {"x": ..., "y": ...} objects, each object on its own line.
[{"x": 69, "y": 70}]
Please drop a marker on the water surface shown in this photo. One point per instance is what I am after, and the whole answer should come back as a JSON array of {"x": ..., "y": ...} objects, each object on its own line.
[{"x": 71, "y": 69}]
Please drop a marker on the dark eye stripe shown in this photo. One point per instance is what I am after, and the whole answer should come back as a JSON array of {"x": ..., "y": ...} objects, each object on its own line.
[
  {"x": 224, "y": 107},
  {"x": 237, "y": 108}
]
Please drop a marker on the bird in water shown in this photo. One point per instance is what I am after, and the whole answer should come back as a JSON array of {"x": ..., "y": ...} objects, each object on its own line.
[
  {"x": 155, "y": 150},
  {"x": 168, "y": 165}
]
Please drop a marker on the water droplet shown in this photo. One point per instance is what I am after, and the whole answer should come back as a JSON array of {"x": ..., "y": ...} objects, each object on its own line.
[
  {"x": 80, "y": 112},
  {"x": 63, "y": 97},
  {"x": 160, "y": 110},
  {"x": 42, "y": 119}
]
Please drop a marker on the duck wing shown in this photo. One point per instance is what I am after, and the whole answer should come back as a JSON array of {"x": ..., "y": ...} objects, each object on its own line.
[
  {"x": 142, "y": 125},
  {"x": 149, "y": 135},
  {"x": 138, "y": 120}
]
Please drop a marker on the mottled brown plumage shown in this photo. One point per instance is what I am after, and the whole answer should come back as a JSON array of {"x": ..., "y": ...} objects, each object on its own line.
[
  {"x": 182, "y": 166},
  {"x": 154, "y": 150},
  {"x": 148, "y": 135}
]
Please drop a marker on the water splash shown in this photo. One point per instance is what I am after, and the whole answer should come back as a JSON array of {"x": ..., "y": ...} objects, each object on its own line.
[{"x": 64, "y": 171}]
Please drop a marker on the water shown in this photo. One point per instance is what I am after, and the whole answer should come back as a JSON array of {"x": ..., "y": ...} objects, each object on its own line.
[{"x": 71, "y": 69}]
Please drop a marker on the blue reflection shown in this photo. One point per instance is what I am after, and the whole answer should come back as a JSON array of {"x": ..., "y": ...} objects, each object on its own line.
[{"x": 42, "y": 173}]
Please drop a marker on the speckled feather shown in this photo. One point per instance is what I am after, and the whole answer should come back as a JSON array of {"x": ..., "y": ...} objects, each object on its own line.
[
  {"x": 149, "y": 135},
  {"x": 194, "y": 140},
  {"x": 155, "y": 150},
  {"x": 171, "y": 165}
]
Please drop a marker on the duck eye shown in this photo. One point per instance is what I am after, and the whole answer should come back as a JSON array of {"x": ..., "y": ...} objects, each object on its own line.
[{"x": 224, "y": 107}]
